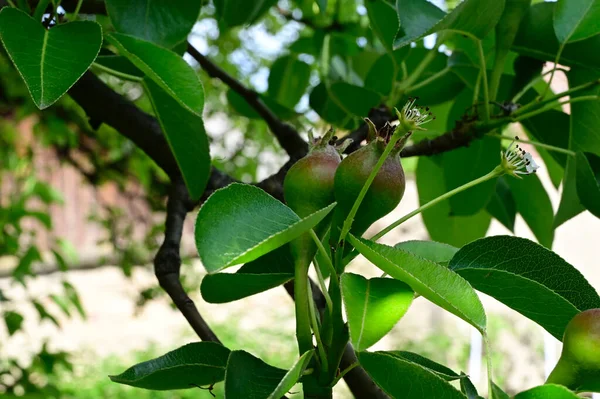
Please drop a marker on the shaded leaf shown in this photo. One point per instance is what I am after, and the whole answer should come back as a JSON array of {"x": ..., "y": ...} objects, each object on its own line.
[
  {"x": 239, "y": 104},
  {"x": 585, "y": 115},
  {"x": 549, "y": 128},
  {"x": 502, "y": 206},
  {"x": 120, "y": 64},
  {"x": 383, "y": 21},
  {"x": 167, "y": 69},
  {"x": 288, "y": 80},
  {"x": 419, "y": 18},
  {"x": 570, "y": 205},
  {"x": 441, "y": 225},
  {"x": 354, "y": 99},
  {"x": 186, "y": 136},
  {"x": 404, "y": 379},
  {"x": 431, "y": 280},
  {"x": 533, "y": 203},
  {"x": 50, "y": 61},
  {"x": 195, "y": 364},
  {"x": 240, "y": 12},
  {"x": 528, "y": 278},
  {"x": 576, "y": 20},
  {"x": 536, "y": 39},
  {"x": 163, "y": 22},
  {"x": 588, "y": 181},
  {"x": 13, "y": 321},
  {"x": 240, "y": 223},
  {"x": 441, "y": 370},
  {"x": 373, "y": 307},
  {"x": 322, "y": 103},
  {"x": 250, "y": 377}
]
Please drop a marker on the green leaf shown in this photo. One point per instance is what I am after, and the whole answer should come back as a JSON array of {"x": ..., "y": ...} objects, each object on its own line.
[
  {"x": 381, "y": 76},
  {"x": 576, "y": 20},
  {"x": 549, "y": 391},
  {"x": 186, "y": 136},
  {"x": 44, "y": 314},
  {"x": 269, "y": 271},
  {"x": 404, "y": 379},
  {"x": 195, "y": 364},
  {"x": 354, "y": 99},
  {"x": 328, "y": 109},
  {"x": 163, "y": 22},
  {"x": 434, "y": 282},
  {"x": 419, "y": 18},
  {"x": 434, "y": 251},
  {"x": 536, "y": 39},
  {"x": 62, "y": 303},
  {"x": 569, "y": 206},
  {"x": 239, "y": 105},
  {"x": 383, "y": 21},
  {"x": 165, "y": 68},
  {"x": 439, "y": 369},
  {"x": 585, "y": 115},
  {"x": 549, "y": 128},
  {"x": 528, "y": 278},
  {"x": 588, "y": 181},
  {"x": 232, "y": 13},
  {"x": 373, "y": 307},
  {"x": 13, "y": 321},
  {"x": 288, "y": 80},
  {"x": 441, "y": 225},
  {"x": 23, "y": 269},
  {"x": 73, "y": 297},
  {"x": 120, "y": 64},
  {"x": 534, "y": 206},
  {"x": 502, "y": 206},
  {"x": 292, "y": 376},
  {"x": 498, "y": 393},
  {"x": 240, "y": 223},
  {"x": 467, "y": 387},
  {"x": 49, "y": 61},
  {"x": 466, "y": 164},
  {"x": 508, "y": 26},
  {"x": 250, "y": 377}
]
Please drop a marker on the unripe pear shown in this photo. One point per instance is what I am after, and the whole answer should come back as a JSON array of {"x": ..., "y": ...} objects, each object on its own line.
[
  {"x": 383, "y": 195},
  {"x": 579, "y": 365}
]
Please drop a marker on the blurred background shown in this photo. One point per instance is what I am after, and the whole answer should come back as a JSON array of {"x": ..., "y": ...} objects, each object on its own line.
[{"x": 81, "y": 216}]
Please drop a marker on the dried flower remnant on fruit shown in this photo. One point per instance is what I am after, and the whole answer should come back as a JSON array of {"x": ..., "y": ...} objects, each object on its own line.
[
  {"x": 516, "y": 161},
  {"x": 411, "y": 116}
]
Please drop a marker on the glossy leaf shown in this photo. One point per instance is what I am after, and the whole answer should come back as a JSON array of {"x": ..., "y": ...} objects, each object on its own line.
[
  {"x": 588, "y": 181},
  {"x": 269, "y": 271},
  {"x": 439, "y": 369},
  {"x": 288, "y": 80},
  {"x": 198, "y": 363},
  {"x": 502, "y": 206},
  {"x": 431, "y": 280},
  {"x": 437, "y": 252},
  {"x": 165, "y": 68},
  {"x": 549, "y": 391},
  {"x": 534, "y": 205},
  {"x": 536, "y": 39},
  {"x": 441, "y": 225},
  {"x": 419, "y": 18},
  {"x": 163, "y": 22},
  {"x": 50, "y": 61},
  {"x": 249, "y": 377},
  {"x": 328, "y": 109},
  {"x": 373, "y": 307},
  {"x": 528, "y": 278},
  {"x": 354, "y": 99},
  {"x": 186, "y": 137},
  {"x": 292, "y": 376},
  {"x": 383, "y": 21},
  {"x": 404, "y": 379},
  {"x": 240, "y": 223},
  {"x": 576, "y": 20}
]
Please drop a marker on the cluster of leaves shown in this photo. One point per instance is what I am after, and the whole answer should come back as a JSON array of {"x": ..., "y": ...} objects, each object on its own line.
[{"x": 350, "y": 58}]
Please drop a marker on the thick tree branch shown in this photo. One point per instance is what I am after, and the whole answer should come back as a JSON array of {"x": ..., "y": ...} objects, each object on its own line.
[{"x": 286, "y": 134}]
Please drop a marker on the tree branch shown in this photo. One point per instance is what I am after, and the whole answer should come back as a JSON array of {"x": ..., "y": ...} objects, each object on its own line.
[{"x": 286, "y": 134}]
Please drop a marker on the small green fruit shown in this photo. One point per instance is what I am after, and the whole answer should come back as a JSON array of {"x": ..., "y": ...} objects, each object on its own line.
[
  {"x": 383, "y": 195},
  {"x": 579, "y": 365}
]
